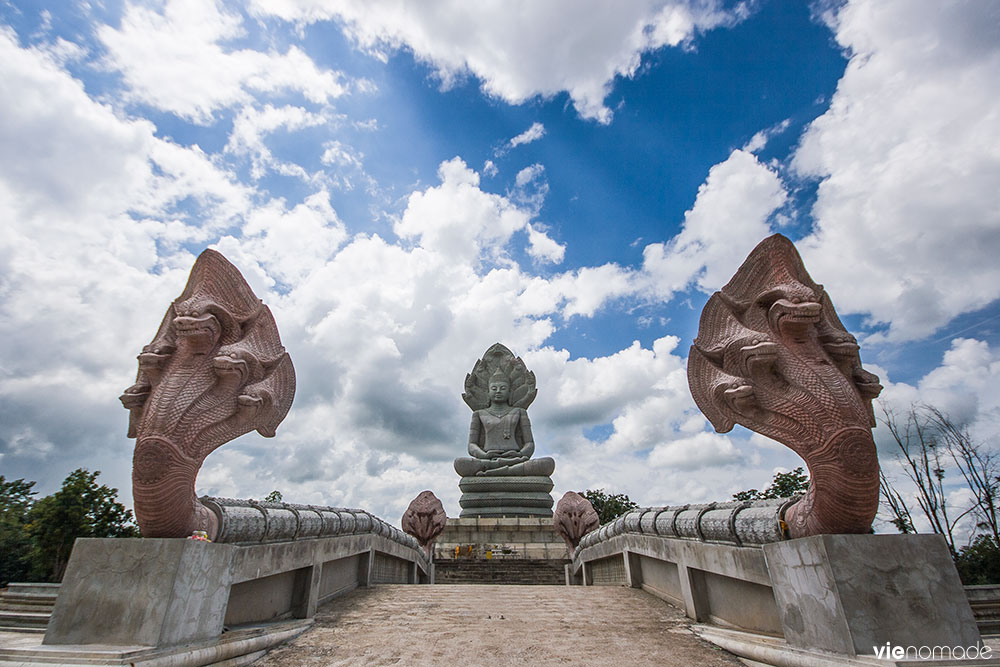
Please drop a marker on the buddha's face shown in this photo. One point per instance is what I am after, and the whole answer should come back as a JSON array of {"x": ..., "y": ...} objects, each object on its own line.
[{"x": 499, "y": 392}]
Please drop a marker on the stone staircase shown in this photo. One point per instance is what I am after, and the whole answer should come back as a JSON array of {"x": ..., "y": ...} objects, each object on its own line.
[
  {"x": 498, "y": 626},
  {"x": 985, "y": 603},
  {"x": 27, "y": 607},
  {"x": 513, "y": 571}
]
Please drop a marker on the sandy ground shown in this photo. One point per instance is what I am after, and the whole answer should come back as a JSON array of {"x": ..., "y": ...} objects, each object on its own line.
[{"x": 496, "y": 626}]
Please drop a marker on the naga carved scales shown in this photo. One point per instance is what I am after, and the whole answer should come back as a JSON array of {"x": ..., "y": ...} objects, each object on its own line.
[
  {"x": 214, "y": 371},
  {"x": 772, "y": 355}
]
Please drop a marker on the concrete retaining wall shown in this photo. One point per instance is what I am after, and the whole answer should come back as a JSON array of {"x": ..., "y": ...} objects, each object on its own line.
[
  {"x": 845, "y": 594},
  {"x": 167, "y": 592},
  {"x": 711, "y": 582}
]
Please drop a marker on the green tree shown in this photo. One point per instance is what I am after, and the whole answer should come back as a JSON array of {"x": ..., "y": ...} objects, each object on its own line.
[
  {"x": 784, "y": 485},
  {"x": 273, "y": 497},
  {"x": 979, "y": 563},
  {"x": 15, "y": 543},
  {"x": 609, "y": 506},
  {"x": 81, "y": 508}
]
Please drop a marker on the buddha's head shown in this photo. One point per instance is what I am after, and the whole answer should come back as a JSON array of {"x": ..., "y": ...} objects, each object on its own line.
[{"x": 499, "y": 388}]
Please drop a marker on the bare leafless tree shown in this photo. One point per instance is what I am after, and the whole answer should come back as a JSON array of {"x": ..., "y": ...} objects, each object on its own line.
[
  {"x": 925, "y": 440},
  {"x": 894, "y": 502},
  {"x": 978, "y": 465}
]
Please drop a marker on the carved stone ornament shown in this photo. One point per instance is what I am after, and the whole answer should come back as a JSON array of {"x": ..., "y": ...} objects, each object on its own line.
[
  {"x": 214, "y": 371},
  {"x": 424, "y": 519},
  {"x": 772, "y": 355},
  {"x": 574, "y": 517},
  {"x": 499, "y": 359}
]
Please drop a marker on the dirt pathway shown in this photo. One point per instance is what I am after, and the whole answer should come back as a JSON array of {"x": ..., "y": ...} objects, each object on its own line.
[{"x": 497, "y": 626}]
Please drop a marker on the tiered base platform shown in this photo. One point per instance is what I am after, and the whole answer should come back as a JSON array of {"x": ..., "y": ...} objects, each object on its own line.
[{"x": 498, "y": 496}]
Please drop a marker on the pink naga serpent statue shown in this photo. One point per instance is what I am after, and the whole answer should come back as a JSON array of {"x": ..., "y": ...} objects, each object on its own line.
[
  {"x": 772, "y": 355},
  {"x": 214, "y": 371},
  {"x": 574, "y": 517},
  {"x": 425, "y": 519}
]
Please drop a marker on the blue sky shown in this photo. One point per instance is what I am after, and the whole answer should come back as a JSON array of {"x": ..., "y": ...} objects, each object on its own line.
[{"x": 405, "y": 184}]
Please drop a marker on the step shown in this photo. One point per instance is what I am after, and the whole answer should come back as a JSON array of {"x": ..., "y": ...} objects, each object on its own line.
[
  {"x": 985, "y": 604},
  {"x": 522, "y": 572},
  {"x": 23, "y": 619},
  {"x": 499, "y": 625},
  {"x": 33, "y": 588},
  {"x": 31, "y": 630},
  {"x": 43, "y": 599},
  {"x": 990, "y": 627},
  {"x": 32, "y": 608},
  {"x": 27, "y": 605}
]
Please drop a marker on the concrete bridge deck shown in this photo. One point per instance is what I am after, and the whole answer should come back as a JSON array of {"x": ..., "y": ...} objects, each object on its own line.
[{"x": 496, "y": 626}]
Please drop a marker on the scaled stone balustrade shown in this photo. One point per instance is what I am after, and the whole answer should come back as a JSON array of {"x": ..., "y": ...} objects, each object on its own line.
[
  {"x": 744, "y": 524},
  {"x": 246, "y": 522}
]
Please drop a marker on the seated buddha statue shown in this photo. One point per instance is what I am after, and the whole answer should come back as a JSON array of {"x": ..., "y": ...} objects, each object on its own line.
[
  {"x": 500, "y": 440},
  {"x": 499, "y": 477}
]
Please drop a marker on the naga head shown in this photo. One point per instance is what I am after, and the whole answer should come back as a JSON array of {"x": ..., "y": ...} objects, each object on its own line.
[
  {"x": 574, "y": 517},
  {"x": 215, "y": 370},
  {"x": 215, "y": 306},
  {"x": 772, "y": 355},
  {"x": 196, "y": 327},
  {"x": 499, "y": 370},
  {"x": 424, "y": 519}
]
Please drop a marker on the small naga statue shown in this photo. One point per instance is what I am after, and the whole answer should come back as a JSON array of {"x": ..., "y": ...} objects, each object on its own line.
[
  {"x": 574, "y": 517},
  {"x": 772, "y": 355},
  {"x": 424, "y": 519},
  {"x": 499, "y": 477},
  {"x": 214, "y": 371}
]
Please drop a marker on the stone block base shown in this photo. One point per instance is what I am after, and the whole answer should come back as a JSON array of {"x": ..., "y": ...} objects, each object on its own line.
[
  {"x": 852, "y": 594},
  {"x": 498, "y": 538},
  {"x": 149, "y": 592}
]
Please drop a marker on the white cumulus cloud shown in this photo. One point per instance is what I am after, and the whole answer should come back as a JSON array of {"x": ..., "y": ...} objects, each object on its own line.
[
  {"x": 907, "y": 217},
  {"x": 177, "y": 60},
  {"x": 511, "y": 47},
  {"x": 759, "y": 140},
  {"x": 252, "y": 126},
  {"x": 730, "y": 216},
  {"x": 533, "y": 133},
  {"x": 542, "y": 247},
  {"x": 701, "y": 450},
  {"x": 456, "y": 218}
]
